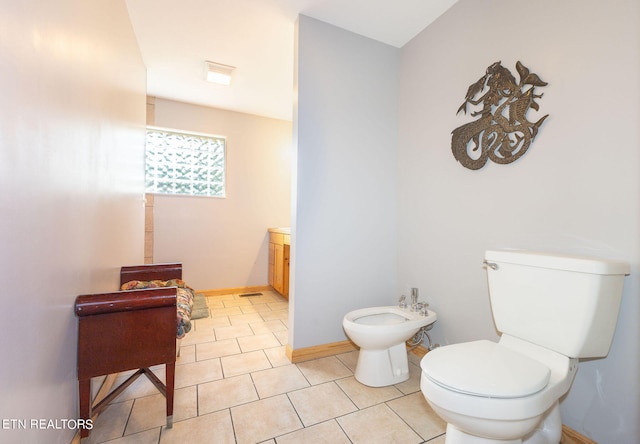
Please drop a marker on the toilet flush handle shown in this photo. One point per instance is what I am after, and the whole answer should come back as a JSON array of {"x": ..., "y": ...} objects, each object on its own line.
[{"x": 491, "y": 265}]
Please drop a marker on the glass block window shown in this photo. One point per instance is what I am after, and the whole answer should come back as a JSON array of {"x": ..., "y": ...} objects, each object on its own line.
[{"x": 184, "y": 163}]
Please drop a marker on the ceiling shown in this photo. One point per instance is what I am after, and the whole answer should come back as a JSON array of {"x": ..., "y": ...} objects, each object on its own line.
[{"x": 257, "y": 37}]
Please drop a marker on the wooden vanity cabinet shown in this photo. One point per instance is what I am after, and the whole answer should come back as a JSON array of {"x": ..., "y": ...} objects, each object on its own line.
[{"x": 279, "y": 245}]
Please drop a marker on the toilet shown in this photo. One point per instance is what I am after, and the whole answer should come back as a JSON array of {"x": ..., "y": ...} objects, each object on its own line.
[
  {"x": 381, "y": 332},
  {"x": 551, "y": 310}
]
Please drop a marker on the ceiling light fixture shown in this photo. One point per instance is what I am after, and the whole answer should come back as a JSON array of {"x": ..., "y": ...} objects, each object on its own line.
[{"x": 218, "y": 73}]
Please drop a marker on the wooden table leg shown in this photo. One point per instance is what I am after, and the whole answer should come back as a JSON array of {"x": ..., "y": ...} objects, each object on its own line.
[
  {"x": 171, "y": 374},
  {"x": 84, "y": 386}
]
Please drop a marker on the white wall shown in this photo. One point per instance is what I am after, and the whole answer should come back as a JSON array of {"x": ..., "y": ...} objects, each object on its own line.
[
  {"x": 223, "y": 242},
  {"x": 344, "y": 223},
  {"x": 575, "y": 191},
  {"x": 71, "y": 173}
]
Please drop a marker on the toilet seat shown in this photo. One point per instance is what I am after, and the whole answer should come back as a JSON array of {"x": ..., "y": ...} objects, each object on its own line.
[{"x": 484, "y": 368}]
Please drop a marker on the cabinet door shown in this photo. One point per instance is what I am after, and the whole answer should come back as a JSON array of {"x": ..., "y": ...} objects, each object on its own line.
[
  {"x": 272, "y": 261},
  {"x": 278, "y": 268}
]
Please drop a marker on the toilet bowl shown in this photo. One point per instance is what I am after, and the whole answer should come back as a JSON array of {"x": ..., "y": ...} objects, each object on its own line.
[
  {"x": 381, "y": 332},
  {"x": 551, "y": 310},
  {"x": 506, "y": 391}
]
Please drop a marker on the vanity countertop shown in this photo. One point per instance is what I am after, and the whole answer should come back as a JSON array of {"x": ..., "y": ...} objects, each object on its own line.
[{"x": 281, "y": 230}]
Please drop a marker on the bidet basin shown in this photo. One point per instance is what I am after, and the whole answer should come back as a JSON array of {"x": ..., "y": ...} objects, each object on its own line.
[{"x": 381, "y": 332}]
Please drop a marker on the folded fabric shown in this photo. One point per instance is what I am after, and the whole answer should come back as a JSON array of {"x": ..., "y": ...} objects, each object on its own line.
[{"x": 185, "y": 295}]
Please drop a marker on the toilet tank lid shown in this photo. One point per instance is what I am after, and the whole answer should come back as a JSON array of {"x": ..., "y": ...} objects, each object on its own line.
[
  {"x": 581, "y": 264},
  {"x": 485, "y": 368}
]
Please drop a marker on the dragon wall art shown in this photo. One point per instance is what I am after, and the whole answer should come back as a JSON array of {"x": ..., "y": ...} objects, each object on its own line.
[{"x": 502, "y": 132}]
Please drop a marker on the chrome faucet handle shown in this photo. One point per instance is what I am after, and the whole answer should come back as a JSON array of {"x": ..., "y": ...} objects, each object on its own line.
[
  {"x": 421, "y": 307},
  {"x": 402, "y": 302}
]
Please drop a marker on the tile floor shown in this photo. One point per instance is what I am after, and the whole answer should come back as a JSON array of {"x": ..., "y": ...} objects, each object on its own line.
[{"x": 234, "y": 384}]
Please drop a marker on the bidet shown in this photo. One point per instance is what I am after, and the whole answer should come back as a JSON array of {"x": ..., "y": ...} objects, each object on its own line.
[{"x": 381, "y": 332}]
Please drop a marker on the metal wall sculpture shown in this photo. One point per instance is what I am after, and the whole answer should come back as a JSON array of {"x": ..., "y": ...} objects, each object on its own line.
[{"x": 502, "y": 132}]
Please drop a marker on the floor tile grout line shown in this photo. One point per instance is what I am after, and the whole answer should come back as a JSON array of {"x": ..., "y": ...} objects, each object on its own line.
[
  {"x": 403, "y": 420},
  {"x": 293, "y": 406},
  {"x": 358, "y": 409},
  {"x": 126, "y": 423},
  {"x": 343, "y": 430},
  {"x": 235, "y": 436}
]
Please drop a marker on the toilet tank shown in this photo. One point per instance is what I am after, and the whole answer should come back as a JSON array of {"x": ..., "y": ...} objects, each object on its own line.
[{"x": 568, "y": 304}]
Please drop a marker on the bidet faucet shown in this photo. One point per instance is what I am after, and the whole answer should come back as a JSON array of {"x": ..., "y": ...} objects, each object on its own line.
[{"x": 414, "y": 299}]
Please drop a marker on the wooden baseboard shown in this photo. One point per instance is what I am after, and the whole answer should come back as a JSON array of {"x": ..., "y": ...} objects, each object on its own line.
[
  {"x": 225, "y": 291},
  {"x": 334, "y": 348},
  {"x": 570, "y": 436},
  {"x": 419, "y": 351},
  {"x": 319, "y": 351}
]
